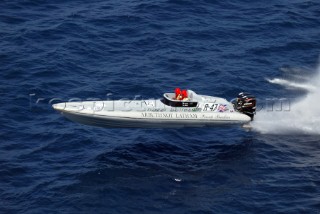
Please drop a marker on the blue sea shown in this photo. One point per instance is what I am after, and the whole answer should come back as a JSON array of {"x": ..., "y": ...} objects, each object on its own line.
[{"x": 53, "y": 51}]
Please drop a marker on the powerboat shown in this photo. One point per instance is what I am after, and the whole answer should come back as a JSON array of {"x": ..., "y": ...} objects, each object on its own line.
[{"x": 170, "y": 111}]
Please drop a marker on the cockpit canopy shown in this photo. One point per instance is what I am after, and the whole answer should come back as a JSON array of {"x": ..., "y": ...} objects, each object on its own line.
[{"x": 191, "y": 99}]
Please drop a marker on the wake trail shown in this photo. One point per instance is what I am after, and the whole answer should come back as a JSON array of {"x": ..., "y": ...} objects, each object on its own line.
[
  {"x": 291, "y": 84},
  {"x": 303, "y": 116}
]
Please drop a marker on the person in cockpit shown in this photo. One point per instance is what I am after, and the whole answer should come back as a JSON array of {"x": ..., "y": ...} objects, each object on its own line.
[{"x": 181, "y": 95}]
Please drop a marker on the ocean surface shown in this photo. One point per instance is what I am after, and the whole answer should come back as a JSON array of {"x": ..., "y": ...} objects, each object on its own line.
[{"x": 54, "y": 51}]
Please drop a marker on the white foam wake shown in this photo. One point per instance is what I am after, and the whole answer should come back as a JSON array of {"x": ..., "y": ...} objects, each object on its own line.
[
  {"x": 303, "y": 117},
  {"x": 291, "y": 84}
]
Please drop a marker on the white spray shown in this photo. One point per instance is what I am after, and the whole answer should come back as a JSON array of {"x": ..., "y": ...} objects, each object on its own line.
[{"x": 303, "y": 116}]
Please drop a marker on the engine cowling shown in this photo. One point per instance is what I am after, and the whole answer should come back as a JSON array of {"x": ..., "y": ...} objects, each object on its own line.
[{"x": 246, "y": 104}]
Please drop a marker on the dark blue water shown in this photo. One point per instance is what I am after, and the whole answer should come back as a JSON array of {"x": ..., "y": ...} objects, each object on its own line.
[{"x": 88, "y": 49}]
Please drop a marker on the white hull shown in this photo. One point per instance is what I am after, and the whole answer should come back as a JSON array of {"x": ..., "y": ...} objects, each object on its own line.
[
  {"x": 133, "y": 121},
  {"x": 149, "y": 114}
]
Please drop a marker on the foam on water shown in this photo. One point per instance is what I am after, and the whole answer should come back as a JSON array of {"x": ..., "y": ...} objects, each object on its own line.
[
  {"x": 303, "y": 116},
  {"x": 291, "y": 84}
]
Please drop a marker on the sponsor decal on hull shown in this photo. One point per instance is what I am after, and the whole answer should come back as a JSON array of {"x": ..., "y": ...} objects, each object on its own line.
[{"x": 169, "y": 115}]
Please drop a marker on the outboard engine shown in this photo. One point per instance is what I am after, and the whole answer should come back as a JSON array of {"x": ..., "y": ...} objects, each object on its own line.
[{"x": 246, "y": 104}]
